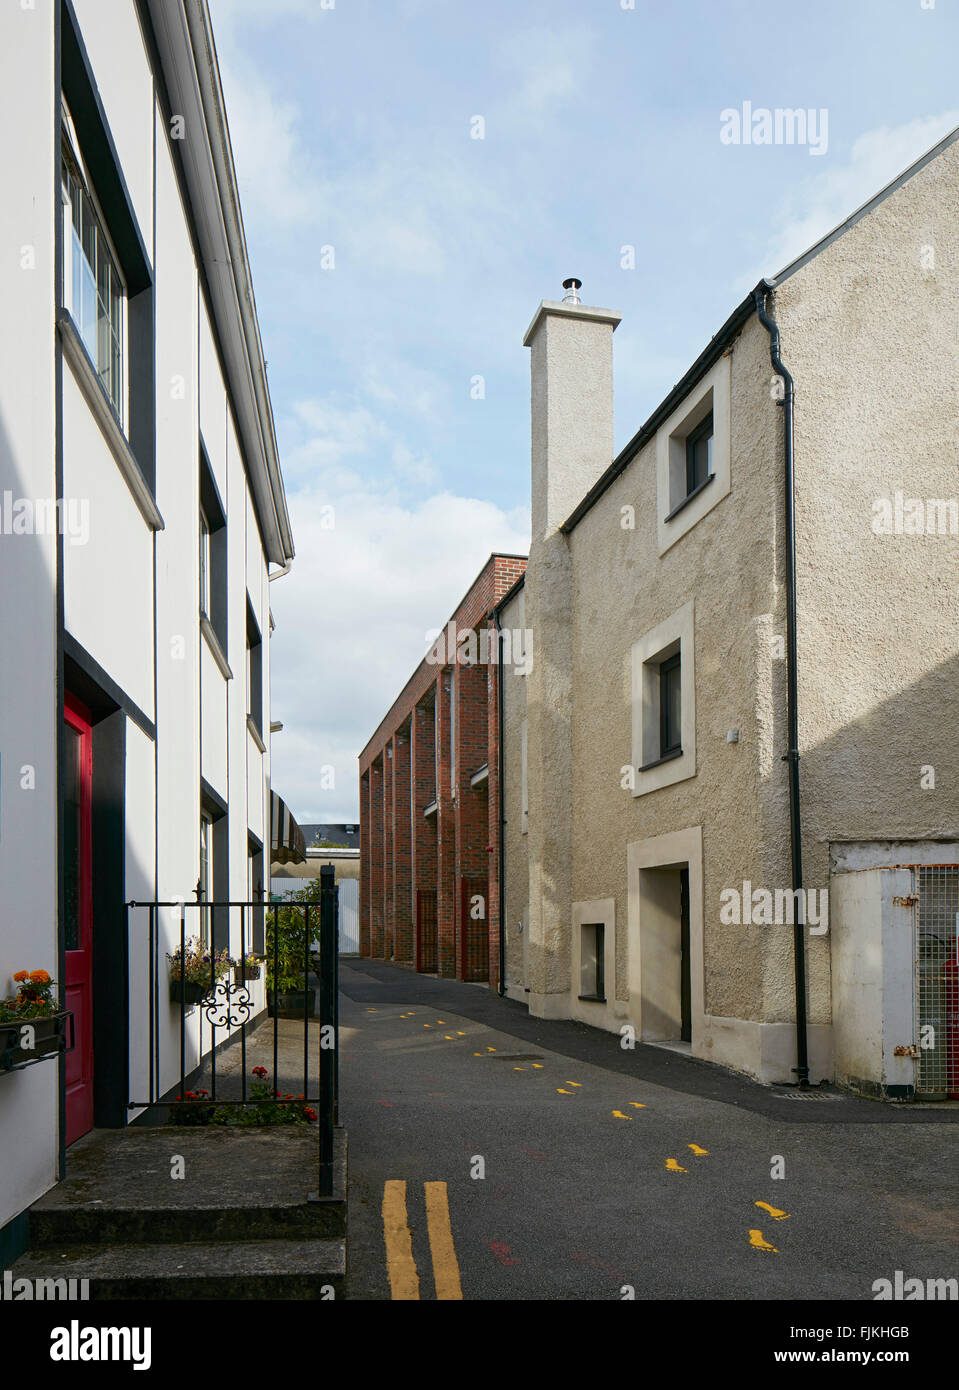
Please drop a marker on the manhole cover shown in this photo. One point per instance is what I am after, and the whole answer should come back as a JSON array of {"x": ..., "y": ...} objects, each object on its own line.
[{"x": 516, "y": 1057}]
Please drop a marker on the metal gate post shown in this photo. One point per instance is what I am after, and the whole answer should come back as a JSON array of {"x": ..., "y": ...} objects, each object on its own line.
[{"x": 328, "y": 1054}]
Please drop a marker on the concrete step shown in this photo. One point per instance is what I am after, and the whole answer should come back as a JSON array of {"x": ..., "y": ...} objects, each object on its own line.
[
  {"x": 238, "y": 1185},
  {"x": 253, "y": 1269}
]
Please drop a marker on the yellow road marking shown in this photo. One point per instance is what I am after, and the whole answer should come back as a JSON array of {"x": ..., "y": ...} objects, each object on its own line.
[
  {"x": 673, "y": 1166},
  {"x": 700, "y": 1153},
  {"x": 538, "y": 1066},
  {"x": 758, "y": 1243},
  {"x": 561, "y": 1092},
  {"x": 460, "y": 1033},
  {"x": 400, "y": 1266},
  {"x": 449, "y": 1037},
  {"x": 519, "y": 1068},
  {"x": 491, "y": 1049},
  {"x": 774, "y": 1212},
  {"x": 427, "y": 1025},
  {"x": 574, "y": 1083},
  {"x": 637, "y": 1105},
  {"x": 620, "y": 1116},
  {"x": 477, "y": 1054},
  {"x": 446, "y": 1270},
  {"x": 443, "y": 1021}
]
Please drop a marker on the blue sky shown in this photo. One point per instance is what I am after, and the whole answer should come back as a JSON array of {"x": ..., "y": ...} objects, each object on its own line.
[{"x": 352, "y": 130}]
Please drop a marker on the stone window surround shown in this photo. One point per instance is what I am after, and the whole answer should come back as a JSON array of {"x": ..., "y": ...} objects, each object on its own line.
[
  {"x": 712, "y": 392},
  {"x": 675, "y": 633}
]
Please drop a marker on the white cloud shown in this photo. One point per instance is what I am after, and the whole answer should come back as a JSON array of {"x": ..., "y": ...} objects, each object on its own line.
[
  {"x": 553, "y": 66},
  {"x": 823, "y": 200},
  {"x": 351, "y": 624}
]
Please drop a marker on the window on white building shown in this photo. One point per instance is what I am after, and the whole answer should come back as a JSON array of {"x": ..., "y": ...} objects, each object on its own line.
[{"x": 93, "y": 290}]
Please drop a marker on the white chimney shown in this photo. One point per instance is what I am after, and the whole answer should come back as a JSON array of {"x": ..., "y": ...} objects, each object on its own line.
[{"x": 572, "y": 404}]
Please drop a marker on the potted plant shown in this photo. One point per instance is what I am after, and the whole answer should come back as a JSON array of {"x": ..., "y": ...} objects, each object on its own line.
[
  {"x": 32, "y": 1025},
  {"x": 287, "y": 961},
  {"x": 247, "y": 969},
  {"x": 195, "y": 971}
]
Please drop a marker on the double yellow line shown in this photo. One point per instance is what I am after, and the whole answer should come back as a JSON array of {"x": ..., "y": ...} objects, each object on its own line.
[{"x": 400, "y": 1265}]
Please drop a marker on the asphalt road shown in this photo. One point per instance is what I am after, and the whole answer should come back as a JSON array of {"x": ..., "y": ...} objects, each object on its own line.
[{"x": 605, "y": 1171}]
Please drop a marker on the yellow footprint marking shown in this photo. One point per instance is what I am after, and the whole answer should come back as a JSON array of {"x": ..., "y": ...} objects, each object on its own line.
[
  {"x": 427, "y": 1025},
  {"x": 460, "y": 1033},
  {"x": 637, "y": 1105},
  {"x": 449, "y": 1037},
  {"x": 538, "y": 1066},
  {"x": 700, "y": 1153},
  {"x": 757, "y": 1242},
  {"x": 619, "y": 1115},
  {"x": 477, "y": 1054},
  {"x": 443, "y": 1021},
  {"x": 491, "y": 1049},
  {"x": 774, "y": 1212},
  {"x": 519, "y": 1068},
  {"x": 574, "y": 1083},
  {"x": 673, "y": 1166},
  {"x": 371, "y": 1011},
  {"x": 561, "y": 1092}
]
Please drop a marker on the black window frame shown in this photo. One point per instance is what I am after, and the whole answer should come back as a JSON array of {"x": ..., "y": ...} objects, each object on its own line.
[
  {"x": 671, "y": 664},
  {"x": 115, "y": 207},
  {"x": 254, "y": 658},
  {"x": 214, "y": 512},
  {"x": 703, "y": 431}
]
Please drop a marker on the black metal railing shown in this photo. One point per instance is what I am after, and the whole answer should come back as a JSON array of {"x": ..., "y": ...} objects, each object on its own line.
[{"x": 204, "y": 1016}]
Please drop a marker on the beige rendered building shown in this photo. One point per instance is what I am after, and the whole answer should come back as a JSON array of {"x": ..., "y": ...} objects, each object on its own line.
[{"x": 745, "y": 673}]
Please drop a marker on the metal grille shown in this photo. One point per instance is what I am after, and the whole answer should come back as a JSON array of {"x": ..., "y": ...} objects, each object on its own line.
[
  {"x": 475, "y": 930},
  {"x": 937, "y": 980},
  {"x": 426, "y": 931}
]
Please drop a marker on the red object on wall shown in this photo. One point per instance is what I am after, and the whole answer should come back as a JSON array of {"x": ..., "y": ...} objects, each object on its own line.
[
  {"x": 952, "y": 1027},
  {"x": 78, "y": 912}
]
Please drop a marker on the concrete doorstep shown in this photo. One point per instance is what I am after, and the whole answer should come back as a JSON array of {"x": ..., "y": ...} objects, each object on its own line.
[{"x": 239, "y": 1223}]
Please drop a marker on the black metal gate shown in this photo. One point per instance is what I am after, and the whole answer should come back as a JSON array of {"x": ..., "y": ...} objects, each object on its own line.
[{"x": 206, "y": 1010}]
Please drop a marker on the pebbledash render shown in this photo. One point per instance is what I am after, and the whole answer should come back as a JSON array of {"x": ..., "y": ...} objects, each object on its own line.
[
  {"x": 429, "y": 798},
  {"x": 653, "y": 840}
]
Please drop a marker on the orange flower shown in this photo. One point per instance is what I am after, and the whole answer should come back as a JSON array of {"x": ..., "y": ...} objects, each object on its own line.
[
  {"x": 20, "y": 975},
  {"x": 39, "y": 977}
]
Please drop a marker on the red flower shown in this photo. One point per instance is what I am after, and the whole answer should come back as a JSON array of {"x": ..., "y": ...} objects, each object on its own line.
[
  {"x": 309, "y": 1112},
  {"x": 259, "y": 1071}
]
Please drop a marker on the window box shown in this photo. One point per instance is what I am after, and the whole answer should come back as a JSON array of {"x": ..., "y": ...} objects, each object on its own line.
[
  {"x": 292, "y": 1003},
  {"x": 187, "y": 992},
  {"x": 49, "y": 1040}
]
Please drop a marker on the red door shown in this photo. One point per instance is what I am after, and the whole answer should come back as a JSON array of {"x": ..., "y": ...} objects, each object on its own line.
[{"x": 78, "y": 912}]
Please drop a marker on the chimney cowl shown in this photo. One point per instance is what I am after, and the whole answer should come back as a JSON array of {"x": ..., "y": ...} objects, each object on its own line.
[{"x": 571, "y": 287}]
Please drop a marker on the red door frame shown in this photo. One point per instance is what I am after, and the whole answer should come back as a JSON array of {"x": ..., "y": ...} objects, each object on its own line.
[{"x": 78, "y": 968}]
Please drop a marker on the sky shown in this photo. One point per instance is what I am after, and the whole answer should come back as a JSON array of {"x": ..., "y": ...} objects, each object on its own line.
[{"x": 417, "y": 175}]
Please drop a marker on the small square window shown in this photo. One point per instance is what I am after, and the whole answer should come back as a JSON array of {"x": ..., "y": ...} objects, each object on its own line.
[
  {"x": 593, "y": 958},
  {"x": 699, "y": 455},
  {"x": 664, "y": 703},
  {"x": 670, "y": 707}
]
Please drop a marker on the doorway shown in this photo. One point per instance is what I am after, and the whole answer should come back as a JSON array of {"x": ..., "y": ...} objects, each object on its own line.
[
  {"x": 665, "y": 950},
  {"x": 78, "y": 912}
]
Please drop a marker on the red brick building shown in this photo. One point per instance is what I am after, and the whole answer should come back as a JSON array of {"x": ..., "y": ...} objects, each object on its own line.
[{"x": 429, "y": 801}]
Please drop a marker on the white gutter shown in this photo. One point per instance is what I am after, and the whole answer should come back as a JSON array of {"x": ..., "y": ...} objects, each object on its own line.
[{"x": 185, "y": 41}]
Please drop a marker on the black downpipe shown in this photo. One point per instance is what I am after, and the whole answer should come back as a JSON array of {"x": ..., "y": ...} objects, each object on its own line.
[
  {"x": 500, "y": 762},
  {"x": 791, "y": 757}
]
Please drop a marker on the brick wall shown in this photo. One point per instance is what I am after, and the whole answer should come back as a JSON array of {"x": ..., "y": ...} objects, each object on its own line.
[{"x": 407, "y": 765}]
